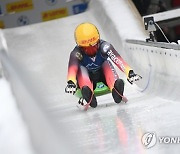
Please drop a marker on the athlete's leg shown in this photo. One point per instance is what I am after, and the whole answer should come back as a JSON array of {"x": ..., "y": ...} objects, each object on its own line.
[
  {"x": 110, "y": 74},
  {"x": 86, "y": 86},
  {"x": 83, "y": 78},
  {"x": 115, "y": 84}
]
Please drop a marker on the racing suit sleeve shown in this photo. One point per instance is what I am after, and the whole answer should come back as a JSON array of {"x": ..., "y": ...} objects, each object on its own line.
[
  {"x": 73, "y": 66},
  {"x": 109, "y": 51}
]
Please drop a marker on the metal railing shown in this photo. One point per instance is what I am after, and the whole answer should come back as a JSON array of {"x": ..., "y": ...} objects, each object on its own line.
[{"x": 155, "y": 44}]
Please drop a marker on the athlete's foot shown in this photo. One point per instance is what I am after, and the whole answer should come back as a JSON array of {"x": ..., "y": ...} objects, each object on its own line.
[
  {"x": 89, "y": 96},
  {"x": 117, "y": 91}
]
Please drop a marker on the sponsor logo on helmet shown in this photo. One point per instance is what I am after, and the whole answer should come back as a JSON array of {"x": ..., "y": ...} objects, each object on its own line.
[{"x": 89, "y": 41}]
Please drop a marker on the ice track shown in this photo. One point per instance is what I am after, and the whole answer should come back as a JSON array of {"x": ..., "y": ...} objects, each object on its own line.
[{"x": 36, "y": 66}]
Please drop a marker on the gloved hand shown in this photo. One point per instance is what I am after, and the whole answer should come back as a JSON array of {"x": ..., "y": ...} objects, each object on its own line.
[
  {"x": 133, "y": 77},
  {"x": 71, "y": 87}
]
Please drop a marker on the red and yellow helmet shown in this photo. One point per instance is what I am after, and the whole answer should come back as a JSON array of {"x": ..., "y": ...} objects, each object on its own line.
[
  {"x": 86, "y": 34},
  {"x": 87, "y": 37}
]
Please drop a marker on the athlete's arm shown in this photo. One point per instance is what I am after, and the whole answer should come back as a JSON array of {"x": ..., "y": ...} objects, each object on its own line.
[
  {"x": 73, "y": 66},
  {"x": 109, "y": 51}
]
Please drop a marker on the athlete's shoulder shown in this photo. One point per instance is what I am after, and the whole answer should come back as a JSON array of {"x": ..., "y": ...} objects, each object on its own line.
[
  {"x": 105, "y": 47},
  {"x": 76, "y": 52}
]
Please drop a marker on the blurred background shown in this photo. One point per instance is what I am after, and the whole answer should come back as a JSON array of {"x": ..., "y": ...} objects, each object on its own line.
[
  {"x": 171, "y": 28},
  {"x": 15, "y": 13}
]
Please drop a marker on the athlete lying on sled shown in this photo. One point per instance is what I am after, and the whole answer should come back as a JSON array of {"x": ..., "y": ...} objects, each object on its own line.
[{"x": 89, "y": 64}]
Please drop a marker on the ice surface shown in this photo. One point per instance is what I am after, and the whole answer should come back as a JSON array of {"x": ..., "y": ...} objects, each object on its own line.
[{"x": 14, "y": 137}]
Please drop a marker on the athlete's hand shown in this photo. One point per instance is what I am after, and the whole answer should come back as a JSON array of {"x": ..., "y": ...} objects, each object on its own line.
[
  {"x": 132, "y": 77},
  {"x": 71, "y": 87}
]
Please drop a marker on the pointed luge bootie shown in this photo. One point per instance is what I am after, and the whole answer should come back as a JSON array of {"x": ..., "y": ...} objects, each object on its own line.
[
  {"x": 117, "y": 91},
  {"x": 89, "y": 97}
]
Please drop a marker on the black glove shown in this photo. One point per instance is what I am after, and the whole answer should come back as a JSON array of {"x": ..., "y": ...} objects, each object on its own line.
[
  {"x": 71, "y": 87},
  {"x": 133, "y": 77}
]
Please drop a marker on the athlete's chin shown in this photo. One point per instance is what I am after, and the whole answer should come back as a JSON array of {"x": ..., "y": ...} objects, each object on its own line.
[
  {"x": 91, "y": 52},
  {"x": 93, "y": 55}
]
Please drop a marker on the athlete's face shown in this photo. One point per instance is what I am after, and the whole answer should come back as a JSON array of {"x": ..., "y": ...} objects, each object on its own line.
[{"x": 91, "y": 50}]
